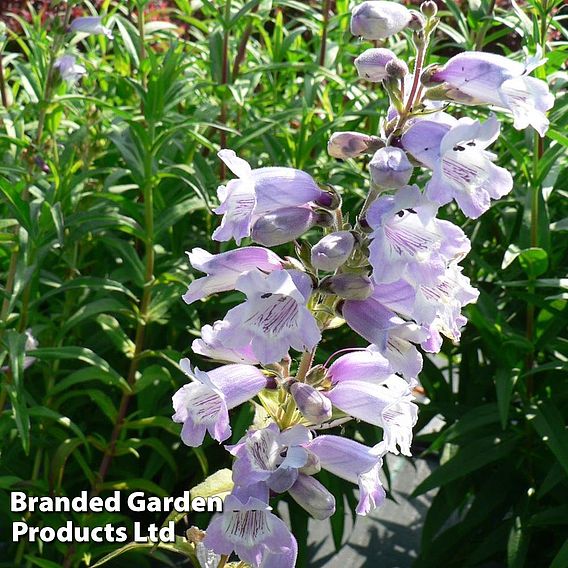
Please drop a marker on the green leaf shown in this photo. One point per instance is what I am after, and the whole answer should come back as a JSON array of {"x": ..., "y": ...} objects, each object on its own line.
[{"x": 534, "y": 261}]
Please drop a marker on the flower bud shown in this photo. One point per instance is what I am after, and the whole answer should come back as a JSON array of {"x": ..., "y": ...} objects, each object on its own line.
[
  {"x": 379, "y": 19},
  {"x": 396, "y": 69},
  {"x": 329, "y": 198},
  {"x": 348, "y": 286},
  {"x": 317, "y": 376},
  {"x": 313, "y": 405},
  {"x": 324, "y": 218},
  {"x": 390, "y": 168},
  {"x": 417, "y": 21},
  {"x": 283, "y": 225},
  {"x": 371, "y": 63},
  {"x": 332, "y": 251},
  {"x": 312, "y": 496},
  {"x": 345, "y": 145},
  {"x": 429, "y": 8}
]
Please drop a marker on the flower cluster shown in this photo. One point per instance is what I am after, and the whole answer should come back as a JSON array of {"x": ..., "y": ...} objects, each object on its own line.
[{"x": 393, "y": 276}]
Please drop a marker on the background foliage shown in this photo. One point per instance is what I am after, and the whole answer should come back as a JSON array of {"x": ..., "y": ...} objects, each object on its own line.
[{"x": 104, "y": 186}]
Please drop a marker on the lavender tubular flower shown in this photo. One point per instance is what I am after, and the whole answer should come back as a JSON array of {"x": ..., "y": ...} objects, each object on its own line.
[
  {"x": 203, "y": 404},
  {"x": 91, "y": 25},
  {"x": 463, "y": 168},
  {"x": 487, "y": 78},
  {"x": 379, "y": 19},
  {"x": 255, "y": 534},
  {"x": 69, "y": 70},
  {"x": 258, "y": 192},
  {"x": 353, "y": 462},
  {"x": 223, "y": 270},
  {"x": 368, "y": 364},
  {"x": 348, "y": 286},
  {"x": 270, "y": 457},
  {"x": 387, "y": 405},
  {"x": 209, "y": 345},
  {"x": 312, "y": 496},
  {"x": 408, "y": 241},
  {"x": 273, "y": 318},
  {"x": 332, "y": 251}
]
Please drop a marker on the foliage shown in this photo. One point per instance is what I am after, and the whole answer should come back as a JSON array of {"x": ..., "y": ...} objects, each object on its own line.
[{"x": 104, "y": 186}]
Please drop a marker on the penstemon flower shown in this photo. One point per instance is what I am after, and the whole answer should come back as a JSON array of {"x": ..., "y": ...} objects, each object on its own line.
[
  {"x": 391, "y": 272},
  {"x": 69, "y": 70},
  {"x": 91, "y": 25}
]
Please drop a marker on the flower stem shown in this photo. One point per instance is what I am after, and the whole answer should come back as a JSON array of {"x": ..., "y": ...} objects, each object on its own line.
[
  {"x": 325, "y": 25},
  {"x": 305, "y": 364}
]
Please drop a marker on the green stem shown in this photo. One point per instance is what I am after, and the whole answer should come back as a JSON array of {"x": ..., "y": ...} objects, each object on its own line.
[
  {"x": 305, "y": 364},
  {"x": 224, "y": 79},
  {"x": 323, "y": 47}
]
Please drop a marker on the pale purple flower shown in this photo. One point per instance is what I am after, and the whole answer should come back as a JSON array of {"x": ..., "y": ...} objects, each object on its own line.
[
  {"x": 204, "y": 404},
  {"x": 255, "y": 534},
  {"x": 209, "y": 345},
  {"x": 390, "y": 168},
  {"x": 332, "y": 251},
  {"x": 69, "y": 70},
  {"x": 311, "y": 403},
  {"x": 345, "y": 145},
  {"x": 465, "y": 171},
  {"x": 283, "y": 225},
  {"x": 438, "y": 306},
  {"x": 388, "y": 405},
  {"x": 355, "y": 463},
  {"x": 409, "y": 241},
  {"x": 312, "y": 496},
  {"x": 223, "y": 270},
  {"x": 258, "y": 192},
  {"x": 90, "y": 25},
  {"x": 372, "y": 62},
  {"x": 379, "y": 19},
  {"x": 274, "y": 316},
  {"x": 475, "y": 77},
  {"x": 271, "y": 457}
]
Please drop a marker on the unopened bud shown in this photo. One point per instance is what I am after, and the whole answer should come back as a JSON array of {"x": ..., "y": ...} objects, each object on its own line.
[
  {"x": 345, "y": 145},
  {"x": 417, "y": 21},
  {"x": 329, "y": 198},
  {"x": 283, "y": 225},
  {"x": 313, "y": 405},
  {"x": 371, "y": 64},
  {"x": 348, "y": 286},
  {"x": 428, "y": 76},
  {"x": 379, "y": 19},
  {"x": 396, "y": 69},
  {"x": 429, "y": 8},
  {"x": 312, "y": 496},
  {"x": 317, "y": 376},
  {"x": 332, "y": 251},
  {"x": 311, "y": 466},
  {"x": 324, "y": 218},
  {"x": 390, "y": 168}
]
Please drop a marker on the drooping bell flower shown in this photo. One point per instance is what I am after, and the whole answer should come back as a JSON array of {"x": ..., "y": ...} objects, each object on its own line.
[
  {"x": 476, "y": 77},
  {"x": 388, "y": 405},
  {"x": 258, "y": 192},
  {"x": 345, "y": 145},
  {"x": 332, "y": 251},
  {"x": 283, "y": 225},
  {"x": 209, "y": 345},
  {"x": 390, "y": 168},
  {"x": 379, "y": 19},
  {"x": 91, "y": 25},
  {"x": 353, "y": 462},
  {"x": 311, "y": 403},
  {"x": 409, "y": 241},
  {"x": 69, "y": 70},
  {"x": 312, "y": 496},
  {"x": 204, "y": 404},
  {"x": 371, "y": 64},
  {"x": 223, "y": 270},
  {"x": 255, "y": 534},
  {"x": 367, "y": 364},
  {"x": 274, "y": 316},
  {"x": 270, "y": 456}
]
